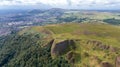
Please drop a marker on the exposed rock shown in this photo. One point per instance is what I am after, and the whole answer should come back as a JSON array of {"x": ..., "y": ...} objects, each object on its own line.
[
  {"x": 113, "y": 49},
  {"x": 96, "y": 43},
  {"x": 62, "y": 47},
  {"x": 72, "y": 44},
  {"x": 72, "y": 60},
  {"x": 106, "y": 64},
  {"x": 70, "y": 57},
  {"x": 117, "y": 61},
  {"x": 102, "y": 46},
  {"x": 50, "y": 43}
]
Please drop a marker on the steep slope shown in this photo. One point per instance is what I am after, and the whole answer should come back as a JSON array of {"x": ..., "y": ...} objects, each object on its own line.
[
  {"x": 63, "y": 45},
  {"x": 28, "y": 51}
]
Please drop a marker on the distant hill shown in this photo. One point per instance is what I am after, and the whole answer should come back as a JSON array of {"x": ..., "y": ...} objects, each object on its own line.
[{"x": 11, "y": 11}]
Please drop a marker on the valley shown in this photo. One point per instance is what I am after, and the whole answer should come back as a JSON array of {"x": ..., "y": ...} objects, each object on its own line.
[{"x": 17, "y": 21}]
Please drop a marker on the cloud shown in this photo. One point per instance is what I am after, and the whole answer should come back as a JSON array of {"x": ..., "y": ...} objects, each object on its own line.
[
  {"x": 32, "y": 2},
  {"x": 65, "y": 3}
]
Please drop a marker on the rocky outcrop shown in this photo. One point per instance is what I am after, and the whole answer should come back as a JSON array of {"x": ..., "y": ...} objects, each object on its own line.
[
  {"x": 70, "y": 57},
  {"x": 65, "y": 47},
  {"x": 62, "y": 47},
  {"x": 102, "y": 46},
  {"x": 98, "y": 44},
  {"x": 117, "y": 61}
]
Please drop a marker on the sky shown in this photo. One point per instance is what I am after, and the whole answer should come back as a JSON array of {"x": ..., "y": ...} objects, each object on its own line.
[{"x": 66, "y": 4}]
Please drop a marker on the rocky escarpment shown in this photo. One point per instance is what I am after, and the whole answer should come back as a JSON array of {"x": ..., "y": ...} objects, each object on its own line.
[
  {"x": 62, "y": 47},
  {"x": 68, "y": 49},
  {"x": 100, "y": 45}
]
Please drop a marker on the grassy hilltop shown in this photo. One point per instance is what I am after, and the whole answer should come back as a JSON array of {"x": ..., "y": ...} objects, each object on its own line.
[{"x": 81, "y": 44}]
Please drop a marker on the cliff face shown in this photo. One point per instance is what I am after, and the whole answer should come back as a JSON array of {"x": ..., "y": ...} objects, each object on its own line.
[{"x": 62, "y": 47}]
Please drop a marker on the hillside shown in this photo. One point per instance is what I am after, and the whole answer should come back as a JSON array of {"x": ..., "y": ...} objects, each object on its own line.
[{"x": 63, "y": 45}]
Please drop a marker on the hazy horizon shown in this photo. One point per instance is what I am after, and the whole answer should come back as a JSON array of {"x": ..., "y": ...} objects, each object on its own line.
[{"x": 65, "y": 4}]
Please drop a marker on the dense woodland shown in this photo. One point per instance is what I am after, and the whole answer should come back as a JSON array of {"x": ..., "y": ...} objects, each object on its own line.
[
  {"x": 25, "y": 51},
  {"x": 112, "y": 21}
]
